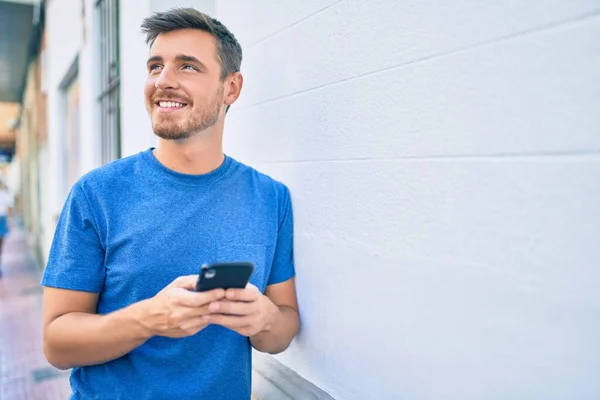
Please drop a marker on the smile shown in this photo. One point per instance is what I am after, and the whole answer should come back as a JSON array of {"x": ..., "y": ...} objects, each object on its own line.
[{"x": 170, "y": 104}]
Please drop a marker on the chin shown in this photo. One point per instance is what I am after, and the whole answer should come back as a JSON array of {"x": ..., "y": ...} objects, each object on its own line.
[
  {"x": 171, "y": 135},
  {"x": 170, "y": 132}
]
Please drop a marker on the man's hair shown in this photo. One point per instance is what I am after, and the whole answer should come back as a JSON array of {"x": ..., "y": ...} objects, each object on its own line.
[{"x": 229, "y": 51}]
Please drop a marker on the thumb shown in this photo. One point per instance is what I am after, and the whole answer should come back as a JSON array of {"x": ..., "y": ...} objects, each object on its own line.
[{"x": 185, "y": 282}]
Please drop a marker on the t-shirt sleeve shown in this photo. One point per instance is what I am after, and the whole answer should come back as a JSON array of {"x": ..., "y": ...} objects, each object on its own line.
[
  {"x": 283, "y": 260},
  {"x": 76, "y": 259}
]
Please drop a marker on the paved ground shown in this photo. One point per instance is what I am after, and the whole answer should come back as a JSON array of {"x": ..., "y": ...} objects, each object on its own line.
[{"x": 24, "y": 372}]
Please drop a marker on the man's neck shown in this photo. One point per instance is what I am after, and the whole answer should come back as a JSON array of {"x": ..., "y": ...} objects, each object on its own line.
[{"x": 193, "y": 156}]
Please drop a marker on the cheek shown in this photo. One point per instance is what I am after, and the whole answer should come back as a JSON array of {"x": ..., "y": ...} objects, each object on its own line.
[{"x": 149, "y": 89}]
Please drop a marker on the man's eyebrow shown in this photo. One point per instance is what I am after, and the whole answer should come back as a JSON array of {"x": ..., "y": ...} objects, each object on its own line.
[
  {"x": 179, "y": 57},
  {"x": 183, "y": 57},
  {"x": 153, "y": 59}
]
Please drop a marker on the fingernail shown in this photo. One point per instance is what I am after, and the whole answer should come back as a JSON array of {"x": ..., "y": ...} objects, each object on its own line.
[{"x": 206, "y": 318}]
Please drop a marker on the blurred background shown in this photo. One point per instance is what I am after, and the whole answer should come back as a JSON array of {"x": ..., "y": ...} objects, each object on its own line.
[{"x": 444, "y": 164}]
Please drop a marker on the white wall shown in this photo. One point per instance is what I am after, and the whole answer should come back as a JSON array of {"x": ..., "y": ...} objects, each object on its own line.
[
  {"x": 64, "y": 42},
  {"x": 136, "y": 128},
  {"x": 206, "y": 6},
  {"x": 443, "y": 159},
  {"x": 89, "y": 139}
]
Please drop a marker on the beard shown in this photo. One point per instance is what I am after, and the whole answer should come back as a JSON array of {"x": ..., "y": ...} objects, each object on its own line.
[{"x": 180, "y": 127}]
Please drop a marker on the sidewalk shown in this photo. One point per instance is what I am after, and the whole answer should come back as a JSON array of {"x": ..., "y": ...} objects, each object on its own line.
[{"x": 24, "y": 372}]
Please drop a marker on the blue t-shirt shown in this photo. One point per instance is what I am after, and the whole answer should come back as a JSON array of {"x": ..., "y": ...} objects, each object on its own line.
[{"x": 129, "y": 228}]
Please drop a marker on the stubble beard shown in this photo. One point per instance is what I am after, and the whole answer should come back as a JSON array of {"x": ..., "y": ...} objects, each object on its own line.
[{"x": 176, "y": 128}]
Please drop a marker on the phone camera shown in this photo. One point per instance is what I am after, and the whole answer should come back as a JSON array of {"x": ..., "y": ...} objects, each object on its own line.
[{"x": 210, "y": 273}]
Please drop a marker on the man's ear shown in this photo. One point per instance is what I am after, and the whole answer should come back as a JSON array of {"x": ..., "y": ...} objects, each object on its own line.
[{"x": 233, "y": 88}]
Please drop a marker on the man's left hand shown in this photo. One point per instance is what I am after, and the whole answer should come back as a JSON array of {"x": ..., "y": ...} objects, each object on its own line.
[{"x": 246, "y": 311}]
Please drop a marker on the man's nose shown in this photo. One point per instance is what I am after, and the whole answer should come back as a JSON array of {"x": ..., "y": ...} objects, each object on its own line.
[{"x": 166, "y": 80}]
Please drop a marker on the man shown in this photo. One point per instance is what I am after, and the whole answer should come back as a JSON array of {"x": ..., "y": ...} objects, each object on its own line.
[{"x": 118, "y": 301}]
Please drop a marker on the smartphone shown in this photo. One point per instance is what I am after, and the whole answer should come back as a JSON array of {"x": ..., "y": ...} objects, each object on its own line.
[{"x": 224, "y": 275}]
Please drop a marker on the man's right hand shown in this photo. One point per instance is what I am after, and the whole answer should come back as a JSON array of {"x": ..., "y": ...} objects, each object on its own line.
[{"x": 177, "y": 311}]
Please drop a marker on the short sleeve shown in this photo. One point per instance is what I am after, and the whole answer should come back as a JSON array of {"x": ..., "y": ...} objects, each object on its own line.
[
  {"x": 283, "y": 261},
  {"x": 76, "y": 259}
]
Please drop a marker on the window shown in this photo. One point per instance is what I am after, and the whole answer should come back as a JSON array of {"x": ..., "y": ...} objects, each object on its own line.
[
  {"x": 71, "y": 139},
  {"x": 69, "y": 149},
  {"x": 109, "y": 101}
]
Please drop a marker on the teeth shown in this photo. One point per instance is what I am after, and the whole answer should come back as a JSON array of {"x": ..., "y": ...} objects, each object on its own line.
[{"x": 170, "y": 104}]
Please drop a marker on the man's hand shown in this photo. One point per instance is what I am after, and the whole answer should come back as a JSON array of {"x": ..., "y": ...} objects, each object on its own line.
[
  {"x": 177, "y": 311},
  {"x": 245, "y": 311}
]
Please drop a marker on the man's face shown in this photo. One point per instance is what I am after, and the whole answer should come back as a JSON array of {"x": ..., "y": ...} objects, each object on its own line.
[{"x": 184, "y": 92}]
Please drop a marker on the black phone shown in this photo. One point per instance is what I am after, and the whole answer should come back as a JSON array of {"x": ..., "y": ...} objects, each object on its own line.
[{"x": 224, "y": 275}]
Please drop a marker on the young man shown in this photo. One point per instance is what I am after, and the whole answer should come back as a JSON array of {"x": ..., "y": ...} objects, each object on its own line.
[{"x": 118, "y": 301}]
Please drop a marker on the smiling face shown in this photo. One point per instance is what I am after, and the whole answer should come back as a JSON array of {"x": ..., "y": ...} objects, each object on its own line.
[{"x": 184, "y": 91}]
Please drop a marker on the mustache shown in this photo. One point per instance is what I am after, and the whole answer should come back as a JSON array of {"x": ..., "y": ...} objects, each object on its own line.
[{"x": 166, "y": 97}]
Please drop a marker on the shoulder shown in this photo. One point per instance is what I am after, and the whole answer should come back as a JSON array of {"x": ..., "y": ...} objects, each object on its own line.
[
  {"x": 265, "y": 183},
  {"x": 109, "y": 177}
]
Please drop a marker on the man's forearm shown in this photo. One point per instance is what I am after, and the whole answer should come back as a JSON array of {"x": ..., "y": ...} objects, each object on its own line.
[
  {"x": 283, "y": 329},
  {"x": 81, "y": 339}
]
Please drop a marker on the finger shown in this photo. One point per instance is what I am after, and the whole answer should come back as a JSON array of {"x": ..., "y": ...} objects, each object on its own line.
[
  {"x": 228, "y": 321},
  {"x": 249, "y": 293},
  {"x": 186, "y": 282},
  {"x": 197, "y": 299},
  {"x": 181, "y": 315},
  {"x": 196, "y": 312},
  {"x": 231, "y": 307},
  {"x": 193, "y": 325}
]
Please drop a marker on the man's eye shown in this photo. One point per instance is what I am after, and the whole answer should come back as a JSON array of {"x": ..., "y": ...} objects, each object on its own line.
[
  {"x": 154, "y": 67},
  {"x": 188, "y": 66}
]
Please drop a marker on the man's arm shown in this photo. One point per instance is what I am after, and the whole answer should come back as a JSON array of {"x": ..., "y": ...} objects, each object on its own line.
[
  {"x": 270, "y": 321},
  {"x": 284, "y": 322},
  {"x": 74, "y": 335}
]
